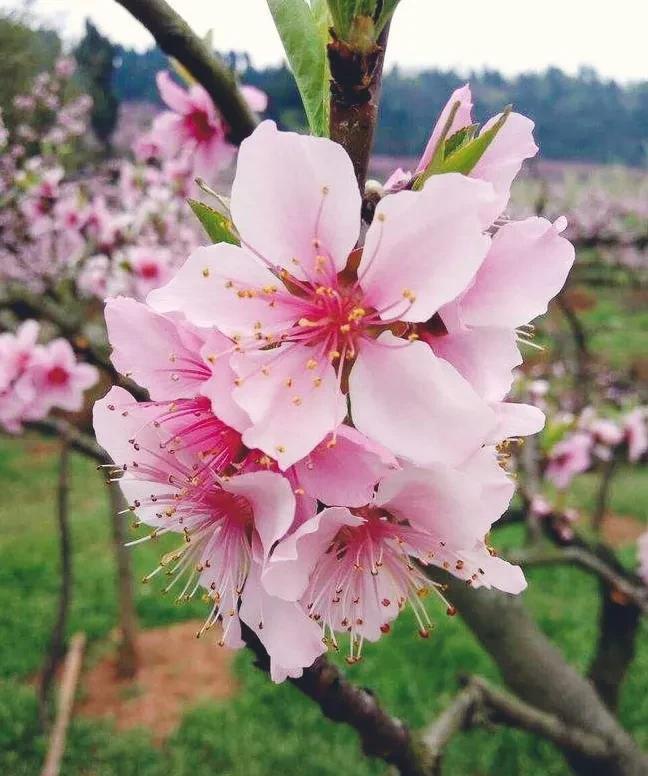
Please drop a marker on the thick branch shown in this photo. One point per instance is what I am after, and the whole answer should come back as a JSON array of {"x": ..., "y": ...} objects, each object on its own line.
[
  {"x": 536, "y": 671},
  {"x": 174, "y": 36},
  {"x": 381, "y": 735}
]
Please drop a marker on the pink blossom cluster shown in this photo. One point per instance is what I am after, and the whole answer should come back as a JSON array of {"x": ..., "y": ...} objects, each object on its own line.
[
  {"x": 192, "y": 130},
  {"x": 35, "y": 379},
  {"x": 327, "y": 422},
  {"x": 593, "y": 438}
]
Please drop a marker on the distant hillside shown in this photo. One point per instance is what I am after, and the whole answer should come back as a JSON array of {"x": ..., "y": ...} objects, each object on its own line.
[{"x": 579, "y": 117}]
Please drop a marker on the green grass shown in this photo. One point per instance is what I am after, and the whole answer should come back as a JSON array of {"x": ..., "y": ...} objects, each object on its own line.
[{"x": 265, "y": 729}]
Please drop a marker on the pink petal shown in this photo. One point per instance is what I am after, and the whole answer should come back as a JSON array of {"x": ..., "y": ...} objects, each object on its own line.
[
  {"x": 439, "y": 499},
  {"x": 292, "y": 640},
  {"x": 168, "y": 132},
  {"x": 292, "y": 407},
  {"x": 272, "y": 500},
  {"x": 415, "y": 404},
  {"x": 463, "y": 118},
  {"x": 525, "y": 268},
  {"x": 256, "y": 99},
  {"x": 173, "y": 95},
  {"x": 497, "y": 572},
  {"x": 497, "y": 487},
  {"x": 345, "y": 473},
  {"x": 503, "y": 158},
  {"x": 288, "y": 571},
  {"x": 515, "y": 420},
  {"x": 212, "y": 156},
  {"x": 206, "y": 290},
  {"x": 293, "y": 189},
  {"x": 428, "y": 243},
  {"x": 218, "y": 388},
  {"x": 146, "y": 346},
  {"x": 484, "y": 356}
]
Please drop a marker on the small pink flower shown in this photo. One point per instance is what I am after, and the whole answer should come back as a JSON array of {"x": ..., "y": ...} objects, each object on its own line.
[
  {"x": 354, "y": 569},
  {"x": 311, "y": 319},
  {"x": 228, "y": 524},
  {"x": 192, "y": 124},
  {"x": 59, "y": 380},
  {"x": 571, "y": 456},
  {"x": 636, "y": 433},
  {"x": 17, "y": 352},
  {"x": 151, "y": 268},
  {"x": 606, "y": 432}
]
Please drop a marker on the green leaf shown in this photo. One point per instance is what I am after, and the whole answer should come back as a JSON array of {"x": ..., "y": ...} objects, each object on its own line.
[
  {"x": 387, "y": 11},
  {"x": 218, "y": 227},
  {"x": 461, "y": 152},
  {"x": 304, "y": 35},
  {"x": 465, "y": 158}
]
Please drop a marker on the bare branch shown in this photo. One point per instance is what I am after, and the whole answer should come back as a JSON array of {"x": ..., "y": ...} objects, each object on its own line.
[
  {"x": 174, "y": 36},
  {"x": 77, "y": 439},
  {"x": 587, "y": 559}
]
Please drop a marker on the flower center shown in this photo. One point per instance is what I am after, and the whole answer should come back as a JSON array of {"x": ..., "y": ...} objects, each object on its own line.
[
  {"x": 58, "y": 376},
  {"x": 198, "y": 126}
]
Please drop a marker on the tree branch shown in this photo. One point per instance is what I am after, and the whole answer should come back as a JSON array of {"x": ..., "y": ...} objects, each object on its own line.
[
  {"x": 355, "y": 92},
  {"x": 174, "y": 36},
  {"x": 587, "y": 559},
  {"x": 536, "y": 671},
  {"x": 77, "y": 439},
  {"x": 479, "y": 702},
  {"x": 381, "y": 735}
]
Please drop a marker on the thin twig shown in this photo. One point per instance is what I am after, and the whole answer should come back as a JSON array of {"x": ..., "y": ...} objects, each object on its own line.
[
  {"x": 588, "y": 560},
  {"x": 57, "y": 638},
  {"x": 56, "y": 748}
]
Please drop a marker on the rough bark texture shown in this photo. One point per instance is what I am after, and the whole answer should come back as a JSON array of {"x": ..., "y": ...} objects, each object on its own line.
[
  {"x": 536, "y": 671},
  {"x": 174, "y": 36},
  {"x": 355, "y": 93},
  {"x": 56, "y": 646},
  {"x": 381, "y": 735},
  {"x": 618, "y": 626}
]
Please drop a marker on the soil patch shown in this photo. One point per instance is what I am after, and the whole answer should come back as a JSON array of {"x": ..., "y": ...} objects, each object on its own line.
[
  {"x": 621, "y": 530},
  {"x": 177, "y": 670}
]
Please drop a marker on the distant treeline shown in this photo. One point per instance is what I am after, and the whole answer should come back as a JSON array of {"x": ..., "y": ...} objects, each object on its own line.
[{"x": 580, "y": 117}]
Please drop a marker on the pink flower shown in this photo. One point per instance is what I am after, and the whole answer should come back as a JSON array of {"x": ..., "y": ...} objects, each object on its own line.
[
  {"x": 526, "y": 266},
  {"x": 354, "y": 569},
  {"x": 501, "y": 161},
  {"x": 174, "y": 360},
  {"x": 642, "y": 549},
  {"x": 569, "y": 457},
  {"x": 151, "y": 268},
  {"x": 606, "y": 431},
  {"x": 58, "y": 379},
  {"x": 192, "y": 124},
  {"x": 311, "y": 319},
  {"x": 17, "y": 352},
  {"x": 636, "y": 433},
  {"x": 227, "y": 524}
]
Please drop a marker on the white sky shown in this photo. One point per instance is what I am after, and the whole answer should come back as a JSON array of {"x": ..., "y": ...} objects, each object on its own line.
[{"x": 510, "y": 35}]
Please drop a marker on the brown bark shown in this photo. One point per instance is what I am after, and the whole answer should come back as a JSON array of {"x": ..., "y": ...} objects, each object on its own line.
[{"x": 355, "y": 93}]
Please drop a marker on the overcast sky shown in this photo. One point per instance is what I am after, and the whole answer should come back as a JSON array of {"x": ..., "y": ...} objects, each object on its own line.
[{"x": 510, "y": 35}]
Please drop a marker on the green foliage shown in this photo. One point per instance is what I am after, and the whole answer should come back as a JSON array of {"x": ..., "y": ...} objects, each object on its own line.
[
  {"x": 95, "y": 55},
  {"x": 303, "y": 31},
  {"x": 218, "y": 227},
  {"x": 25, "y": 52}
]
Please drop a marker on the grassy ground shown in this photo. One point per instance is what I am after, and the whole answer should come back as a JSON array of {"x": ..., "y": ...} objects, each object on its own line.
[{"x": 265, "y": 729}]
